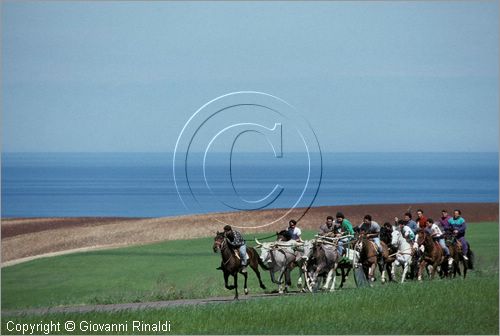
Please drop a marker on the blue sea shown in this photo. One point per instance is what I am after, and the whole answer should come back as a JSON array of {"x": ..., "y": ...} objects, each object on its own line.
[{"x": 143, "y": 184}]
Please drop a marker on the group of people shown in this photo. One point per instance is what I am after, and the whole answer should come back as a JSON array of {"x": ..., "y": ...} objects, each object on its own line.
[
  {"x": 342, "y": 228},
  {"x": 454, "y": 225}
]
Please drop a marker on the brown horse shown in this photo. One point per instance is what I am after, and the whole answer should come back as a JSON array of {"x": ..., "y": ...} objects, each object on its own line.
[
  {"x": 433, "y": 253},
  {"x": 368, "y": 256},
  {"x": 457, "y": 257},
  {"x": 231, "y": 264},
  {"x": 386, "y": 238}
]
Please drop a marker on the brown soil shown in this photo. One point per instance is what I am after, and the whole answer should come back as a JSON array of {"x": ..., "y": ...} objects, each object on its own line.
[
  {"x": 17, "y": 226},
  {"x": 29, "y": 237}
]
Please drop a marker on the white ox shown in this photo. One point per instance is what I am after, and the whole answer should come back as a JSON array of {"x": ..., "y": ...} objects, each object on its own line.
[{"x": 280, "y": 257}]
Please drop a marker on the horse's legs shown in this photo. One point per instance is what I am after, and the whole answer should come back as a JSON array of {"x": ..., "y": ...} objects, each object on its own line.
[
  {"x": 406, "y": 265},
  {"x": 464, "y": 262},
  {"x": 414, "y": 267},
  {"x": 371, "y": 272},
  {"x": 382, "y": 277},
  {"x": 226, "y": 280},
  {"x": 288, "y": 277},
  {"x": 245, "y": 288},
  {"x": 381, "y": 268},
  {"x": 343, "y": 276},
  {"x": 434, "y": 269},
  {"x": 457, "y": 267},
  {"x": 395, "y": 264},
  {"x": 255, "y": 266},
  {"x": 235, "y": 286},
  {"x": 349, "y": 267},
  {"x": 388, "y": 268},
  {"x": 423, "y": 265}
]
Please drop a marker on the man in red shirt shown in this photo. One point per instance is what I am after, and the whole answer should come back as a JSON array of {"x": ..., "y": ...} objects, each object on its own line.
[{"x": 421, "y": 219}]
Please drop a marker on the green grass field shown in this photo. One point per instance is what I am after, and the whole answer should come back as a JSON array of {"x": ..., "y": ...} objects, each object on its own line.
[{"x": 186, "y": 269}]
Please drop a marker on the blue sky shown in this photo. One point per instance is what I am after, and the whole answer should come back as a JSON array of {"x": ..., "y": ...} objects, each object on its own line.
[{"x": 126, "y": 76}]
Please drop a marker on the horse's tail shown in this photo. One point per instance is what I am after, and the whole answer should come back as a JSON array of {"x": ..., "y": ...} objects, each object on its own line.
[
  {"x": 254, "y": 254},
  {"x": 470, "y": 255},
  {"x": 261, "y": 263}
]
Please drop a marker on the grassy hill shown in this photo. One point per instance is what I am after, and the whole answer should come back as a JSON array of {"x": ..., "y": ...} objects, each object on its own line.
[{"x": 186, "y": 269}]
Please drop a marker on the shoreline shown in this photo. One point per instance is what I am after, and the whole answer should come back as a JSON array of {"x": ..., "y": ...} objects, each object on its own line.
[{"x": 25, "y": 239}]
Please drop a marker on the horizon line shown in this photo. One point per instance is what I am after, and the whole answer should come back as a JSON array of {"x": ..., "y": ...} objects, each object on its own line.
[{"x": 242, "y": 152}]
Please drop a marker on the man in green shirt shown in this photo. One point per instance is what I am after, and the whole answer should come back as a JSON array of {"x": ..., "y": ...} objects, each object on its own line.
[
  {"x": 346, "y": 225},
  {"x": 346, "y": 228}
]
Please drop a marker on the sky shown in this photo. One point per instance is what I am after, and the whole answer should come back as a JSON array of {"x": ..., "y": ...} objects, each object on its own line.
[{"x": 367, "y": 77}]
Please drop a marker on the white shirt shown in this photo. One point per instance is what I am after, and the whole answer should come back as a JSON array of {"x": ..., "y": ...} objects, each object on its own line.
[
  {"x": 435, "y": 230},
  {"x": 296, "y": 233}
]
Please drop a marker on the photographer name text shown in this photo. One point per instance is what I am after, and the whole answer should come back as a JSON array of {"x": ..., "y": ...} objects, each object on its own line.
[{"x": 51, "y": 327}]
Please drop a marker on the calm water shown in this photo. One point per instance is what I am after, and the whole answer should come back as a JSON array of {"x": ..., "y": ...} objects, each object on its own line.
[{"x": 142, "y": 184}]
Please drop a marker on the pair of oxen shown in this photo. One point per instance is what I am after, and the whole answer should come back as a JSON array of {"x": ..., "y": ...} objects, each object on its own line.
[{"x": 317, "y": 260}]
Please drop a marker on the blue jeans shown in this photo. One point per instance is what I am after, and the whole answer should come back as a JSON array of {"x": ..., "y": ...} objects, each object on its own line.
[
  {"x": 445, "y": 248},
  {"x": 243, "y": 254},
  {"x": 340, "y": 248},
  {"x": 376, "y": 240}
]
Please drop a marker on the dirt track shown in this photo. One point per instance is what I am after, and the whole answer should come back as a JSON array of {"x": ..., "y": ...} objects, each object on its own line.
[
  {"x": 137, "y": 306},
  {"x": 28, "y": 238}
]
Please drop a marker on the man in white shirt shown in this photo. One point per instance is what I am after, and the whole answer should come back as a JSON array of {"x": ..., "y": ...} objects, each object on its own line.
[
  {"x": 294, "y": 231},
  {"x": 437, "y": 235}
]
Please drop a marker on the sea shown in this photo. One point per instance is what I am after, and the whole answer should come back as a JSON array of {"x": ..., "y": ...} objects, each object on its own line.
[{"x": 151, "y": 185}]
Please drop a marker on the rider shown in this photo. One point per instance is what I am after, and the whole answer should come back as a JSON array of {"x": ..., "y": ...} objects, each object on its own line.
[
  {"x": 327, "y": 227},
  {"x": 421, "y": 219},
  {"x": 410, "y": 223},
  {"x": 406, "y": 231},
  {"x": 294, "y": 231},
  {"x": 437, "y": 235},
  {"x": 458, "y": 225},
  {"x": 444, "y": 220},
  {"x": 236, "y": 241},
  {"x": 371, "y": 228},
  {"x": 345, "y": 223},
  {"x": 345, "y": 229}
]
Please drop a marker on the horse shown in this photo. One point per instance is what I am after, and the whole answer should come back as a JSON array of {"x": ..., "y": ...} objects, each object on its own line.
[
  {"x": 432, "y": 255},
  {"x": 403, "y": 254},
  {"x": 280, "y": 257},
  {"x": 368, "y": 256},
  {"x": 386, "y": 237},
  {"x": 456, "y": 256},
  {"x": 231, "y": 264},
  {"x": 346, "y": 263}
]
